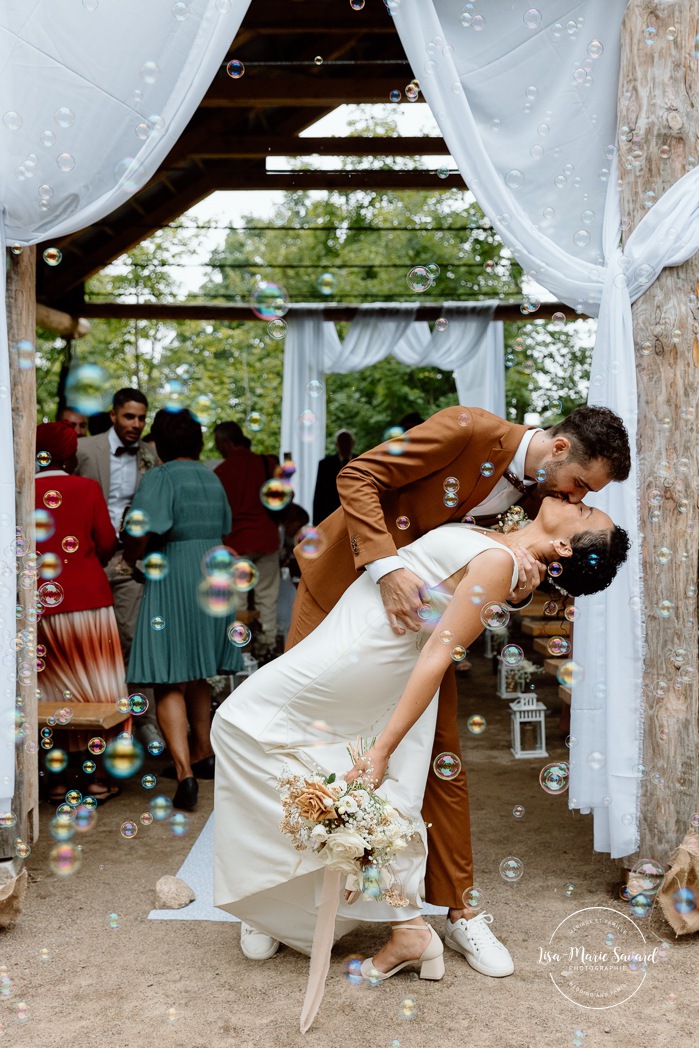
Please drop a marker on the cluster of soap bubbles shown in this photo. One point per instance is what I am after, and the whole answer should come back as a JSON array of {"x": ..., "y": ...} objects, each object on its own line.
[
  {"x": 553, "y": 778},
  {"x": 225, "y": 576},
  {"x": 421, "y": 278}
]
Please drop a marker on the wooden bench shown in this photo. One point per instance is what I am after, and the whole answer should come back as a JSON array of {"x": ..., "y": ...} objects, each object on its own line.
[
  {"x": 85, "y": 715},
  {"x": 546, "y": 627}
]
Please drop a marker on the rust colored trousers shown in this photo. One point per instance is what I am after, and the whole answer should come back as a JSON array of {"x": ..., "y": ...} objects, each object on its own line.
[{"x": 445, "y": 807}]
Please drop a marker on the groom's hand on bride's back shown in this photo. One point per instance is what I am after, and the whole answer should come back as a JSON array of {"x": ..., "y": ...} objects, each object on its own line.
[{"x": 402, "y": 593}]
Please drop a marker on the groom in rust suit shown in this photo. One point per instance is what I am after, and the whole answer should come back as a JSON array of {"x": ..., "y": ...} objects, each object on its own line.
[{"x": 494, "y": 462}]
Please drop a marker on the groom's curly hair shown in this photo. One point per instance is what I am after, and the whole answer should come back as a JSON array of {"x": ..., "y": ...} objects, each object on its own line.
[
  {"x": 596, "y": 558},
  {"x": 597, "y": 432}
]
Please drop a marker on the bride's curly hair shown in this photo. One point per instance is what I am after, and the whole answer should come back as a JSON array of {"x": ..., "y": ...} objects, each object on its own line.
[{"x": 596, "y": 558}]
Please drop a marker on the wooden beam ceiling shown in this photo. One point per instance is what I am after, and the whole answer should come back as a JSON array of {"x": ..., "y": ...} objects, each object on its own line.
[{"x": 241, "y": 122}]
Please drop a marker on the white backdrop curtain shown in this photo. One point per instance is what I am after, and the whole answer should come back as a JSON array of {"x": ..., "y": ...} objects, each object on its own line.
[
  {"x": 92, "y": 99},
  {"x": 526, "y": 101},
  {"x": 471, "y": 346}
]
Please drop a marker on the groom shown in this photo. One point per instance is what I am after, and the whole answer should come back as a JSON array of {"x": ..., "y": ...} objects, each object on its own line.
[{"x": 462, "y": 461}]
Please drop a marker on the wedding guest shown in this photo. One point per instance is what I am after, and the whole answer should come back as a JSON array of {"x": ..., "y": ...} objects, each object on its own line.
[
  {"x": 181, "y": 637},
  {"x": 75, "y": 419},
  {"x": 325, "y": 496},
  {"x": 78, "y": 629},
  {"x": 253, "y": 534}
]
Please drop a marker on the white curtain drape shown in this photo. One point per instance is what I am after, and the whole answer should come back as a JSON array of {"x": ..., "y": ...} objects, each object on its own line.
[
  {"x": 92, "y": 99},
  {"x": 471, "y": 346},
  {"x": 526, "y": 101}
]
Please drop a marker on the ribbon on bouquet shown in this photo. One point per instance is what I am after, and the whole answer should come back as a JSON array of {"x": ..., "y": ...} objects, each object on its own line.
[{"x": 323, "y": 938}]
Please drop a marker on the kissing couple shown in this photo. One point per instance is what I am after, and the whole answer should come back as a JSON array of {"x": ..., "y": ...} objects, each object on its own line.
[{"x": 390, "y": 596}]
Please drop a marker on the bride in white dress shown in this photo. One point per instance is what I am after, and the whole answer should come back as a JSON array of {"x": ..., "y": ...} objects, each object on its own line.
[{"x": 353, "y": 676}]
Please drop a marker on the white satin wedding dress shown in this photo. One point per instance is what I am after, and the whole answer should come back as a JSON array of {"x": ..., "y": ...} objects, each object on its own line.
[{"x": 301, "y": 711}]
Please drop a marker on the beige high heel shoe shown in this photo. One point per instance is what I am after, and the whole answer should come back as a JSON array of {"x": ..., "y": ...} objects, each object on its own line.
[{"x": 431, "y": 960}]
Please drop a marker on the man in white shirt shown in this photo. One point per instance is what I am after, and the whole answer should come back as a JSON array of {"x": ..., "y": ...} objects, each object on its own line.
[{"x": 117, "y": 460}]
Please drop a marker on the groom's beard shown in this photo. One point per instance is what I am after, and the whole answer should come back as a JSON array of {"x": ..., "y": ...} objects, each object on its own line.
[{"x": 549, "y": 486}]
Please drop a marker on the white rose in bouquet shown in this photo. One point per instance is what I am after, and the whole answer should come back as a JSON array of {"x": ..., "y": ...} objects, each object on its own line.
[{"x": 342, "y": 850}]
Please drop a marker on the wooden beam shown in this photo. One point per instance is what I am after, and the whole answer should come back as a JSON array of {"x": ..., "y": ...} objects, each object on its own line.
[
  {"x": 258, "y": 89},
  {"x": 21, "y": 324},
  {"x": 259, "y": 146},
  {"x": 658, "y": 89},
  {"x": 222, "y": 312},
  {"x": 345, "y": 181},
  {"x": 56, "y": 322},
  {"x": 281, "y": 17}
]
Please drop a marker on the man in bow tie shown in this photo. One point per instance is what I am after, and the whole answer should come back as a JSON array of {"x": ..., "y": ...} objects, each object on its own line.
[{"x": 117, "y": 460}]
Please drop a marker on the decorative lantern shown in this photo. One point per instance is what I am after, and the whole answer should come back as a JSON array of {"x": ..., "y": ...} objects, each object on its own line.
[{"x": 526, "y": 710}]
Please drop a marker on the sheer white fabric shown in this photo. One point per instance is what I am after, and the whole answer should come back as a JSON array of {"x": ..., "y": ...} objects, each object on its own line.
[
  {"x": 470, "y": 346},
  {"x": 526, "y": 101},
  {"x": 92, "y": 102}
]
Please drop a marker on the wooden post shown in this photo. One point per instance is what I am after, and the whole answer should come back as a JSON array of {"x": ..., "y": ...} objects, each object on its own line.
[
  {"x": 21, "y": 323},
  {"x": 659, "y": 127}
]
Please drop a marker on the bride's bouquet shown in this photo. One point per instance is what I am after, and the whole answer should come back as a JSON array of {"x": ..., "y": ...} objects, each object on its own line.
[{"x": 349, "y": 826}]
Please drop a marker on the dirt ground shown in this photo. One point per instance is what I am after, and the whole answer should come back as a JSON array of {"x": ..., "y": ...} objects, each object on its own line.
[{"x": 178, "y": 984}]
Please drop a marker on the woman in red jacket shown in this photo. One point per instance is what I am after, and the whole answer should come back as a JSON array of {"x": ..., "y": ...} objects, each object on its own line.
[{"x": 78, "y": 630}]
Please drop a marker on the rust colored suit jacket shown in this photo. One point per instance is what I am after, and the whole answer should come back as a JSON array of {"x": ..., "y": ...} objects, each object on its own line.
[{"x": 380, "y": 486}]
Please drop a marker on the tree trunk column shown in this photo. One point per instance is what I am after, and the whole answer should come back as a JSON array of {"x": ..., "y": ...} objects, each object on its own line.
[
  {"x": 658, "y": 132},
  {"x": 21, "y": 329}
]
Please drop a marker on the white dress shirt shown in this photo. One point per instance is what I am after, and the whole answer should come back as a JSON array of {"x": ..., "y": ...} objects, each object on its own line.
[
  {"x": 500, "y": 498},
  {"x": 123, "y": 479}
]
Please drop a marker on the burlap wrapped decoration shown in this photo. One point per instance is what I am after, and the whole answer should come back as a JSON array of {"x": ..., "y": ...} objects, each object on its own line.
[{"x": 682, "y": 875}]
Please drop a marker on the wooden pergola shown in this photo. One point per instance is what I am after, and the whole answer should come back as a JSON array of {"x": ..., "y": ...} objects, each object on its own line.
[{"x": 240, "y": 122}]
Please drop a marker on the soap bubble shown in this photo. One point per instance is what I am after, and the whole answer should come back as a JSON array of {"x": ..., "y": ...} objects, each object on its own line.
[
  {"x": 487, "y": 469},
  {"x": 269, "y": 300},
  {"x": 495, "y": 616},
  {"x": 314, "y": 388},
  {"x": 446, "y": 766},
  {"x": 310, "y": 540},
  {"x": 558, "y": 646},
  {"x": 123, "y": 757},
  {"x": 179, "y": 824},
  {"x": 476, "y": 724},
  {"x": 128, "y": 829},
  {"x": 52, "y": 256},
  {"x": 160, "y": 807},
  {"x": 245, "y": 575},
  {"x": 275, "y": 493},
  {"x": 511, "y": 869},
  {"x": 570, "y": 673},
  {"x": 327, "y": 283},
  {"x": 155, "y": 566},
  {"x": 458, "y": 653},
  {"x": 555, "y": 569},
  {"x": 44, "y": 524},
  {"x": 52, "y": 499},
  {"x": 219, "y": 563},
  {"x": 70, "y": 544},
  {"x": 255, "y": 421},
  {"x": 568, "y": 889},
  {"x": 441, "y": 323},
  {"x": 474, "y": 898},
  {"x": 56, "y": 761},
  {"x": 156, "y": 747},
  {"x": 203, "y": 408},
  {"x": 216, "y": 597},
  {"x": 85, "y": 388},
  {"x": 239, "y": 634},
  {"x": 157, "y": 623},
  {"x": 553, "y": 778},
  {"x": 65, "y": 859},
  {"x": 512, "y": 654},
  {"x": 137, "y": 523},
  {"x": 138, "y": 703},
  {"x": 50, "y": 594},
  {"x": 518, "y": 811},
  {"x": 419, "y": 279},
  {"x": 277, "y": 328},
  {"x": 514, "y": 179},
  {"x": 97, "y": 745},
  {"x": 396, "y": 440},
  {"x": 235, "y": 69},
  {"x": 684, "y": 900}
]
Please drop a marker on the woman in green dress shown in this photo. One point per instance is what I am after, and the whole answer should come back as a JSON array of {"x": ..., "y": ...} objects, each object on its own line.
[{"x": 181, "y": 635}]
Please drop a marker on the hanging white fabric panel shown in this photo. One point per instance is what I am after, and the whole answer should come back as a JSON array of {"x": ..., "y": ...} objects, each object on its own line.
[
  {"x": 93, "y": 97},
  {"x": 526, "y": 101},
  {"x": 470, "y": 346}
]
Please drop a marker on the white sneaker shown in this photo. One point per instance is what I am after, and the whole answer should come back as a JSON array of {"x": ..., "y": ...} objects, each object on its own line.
[
  {"x": 256, "y": 945},
  {"x": 475, "y": 941}
]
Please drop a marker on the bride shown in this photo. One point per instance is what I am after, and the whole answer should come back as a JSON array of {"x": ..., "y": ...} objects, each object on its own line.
[{"x": 353, "y": 676}]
